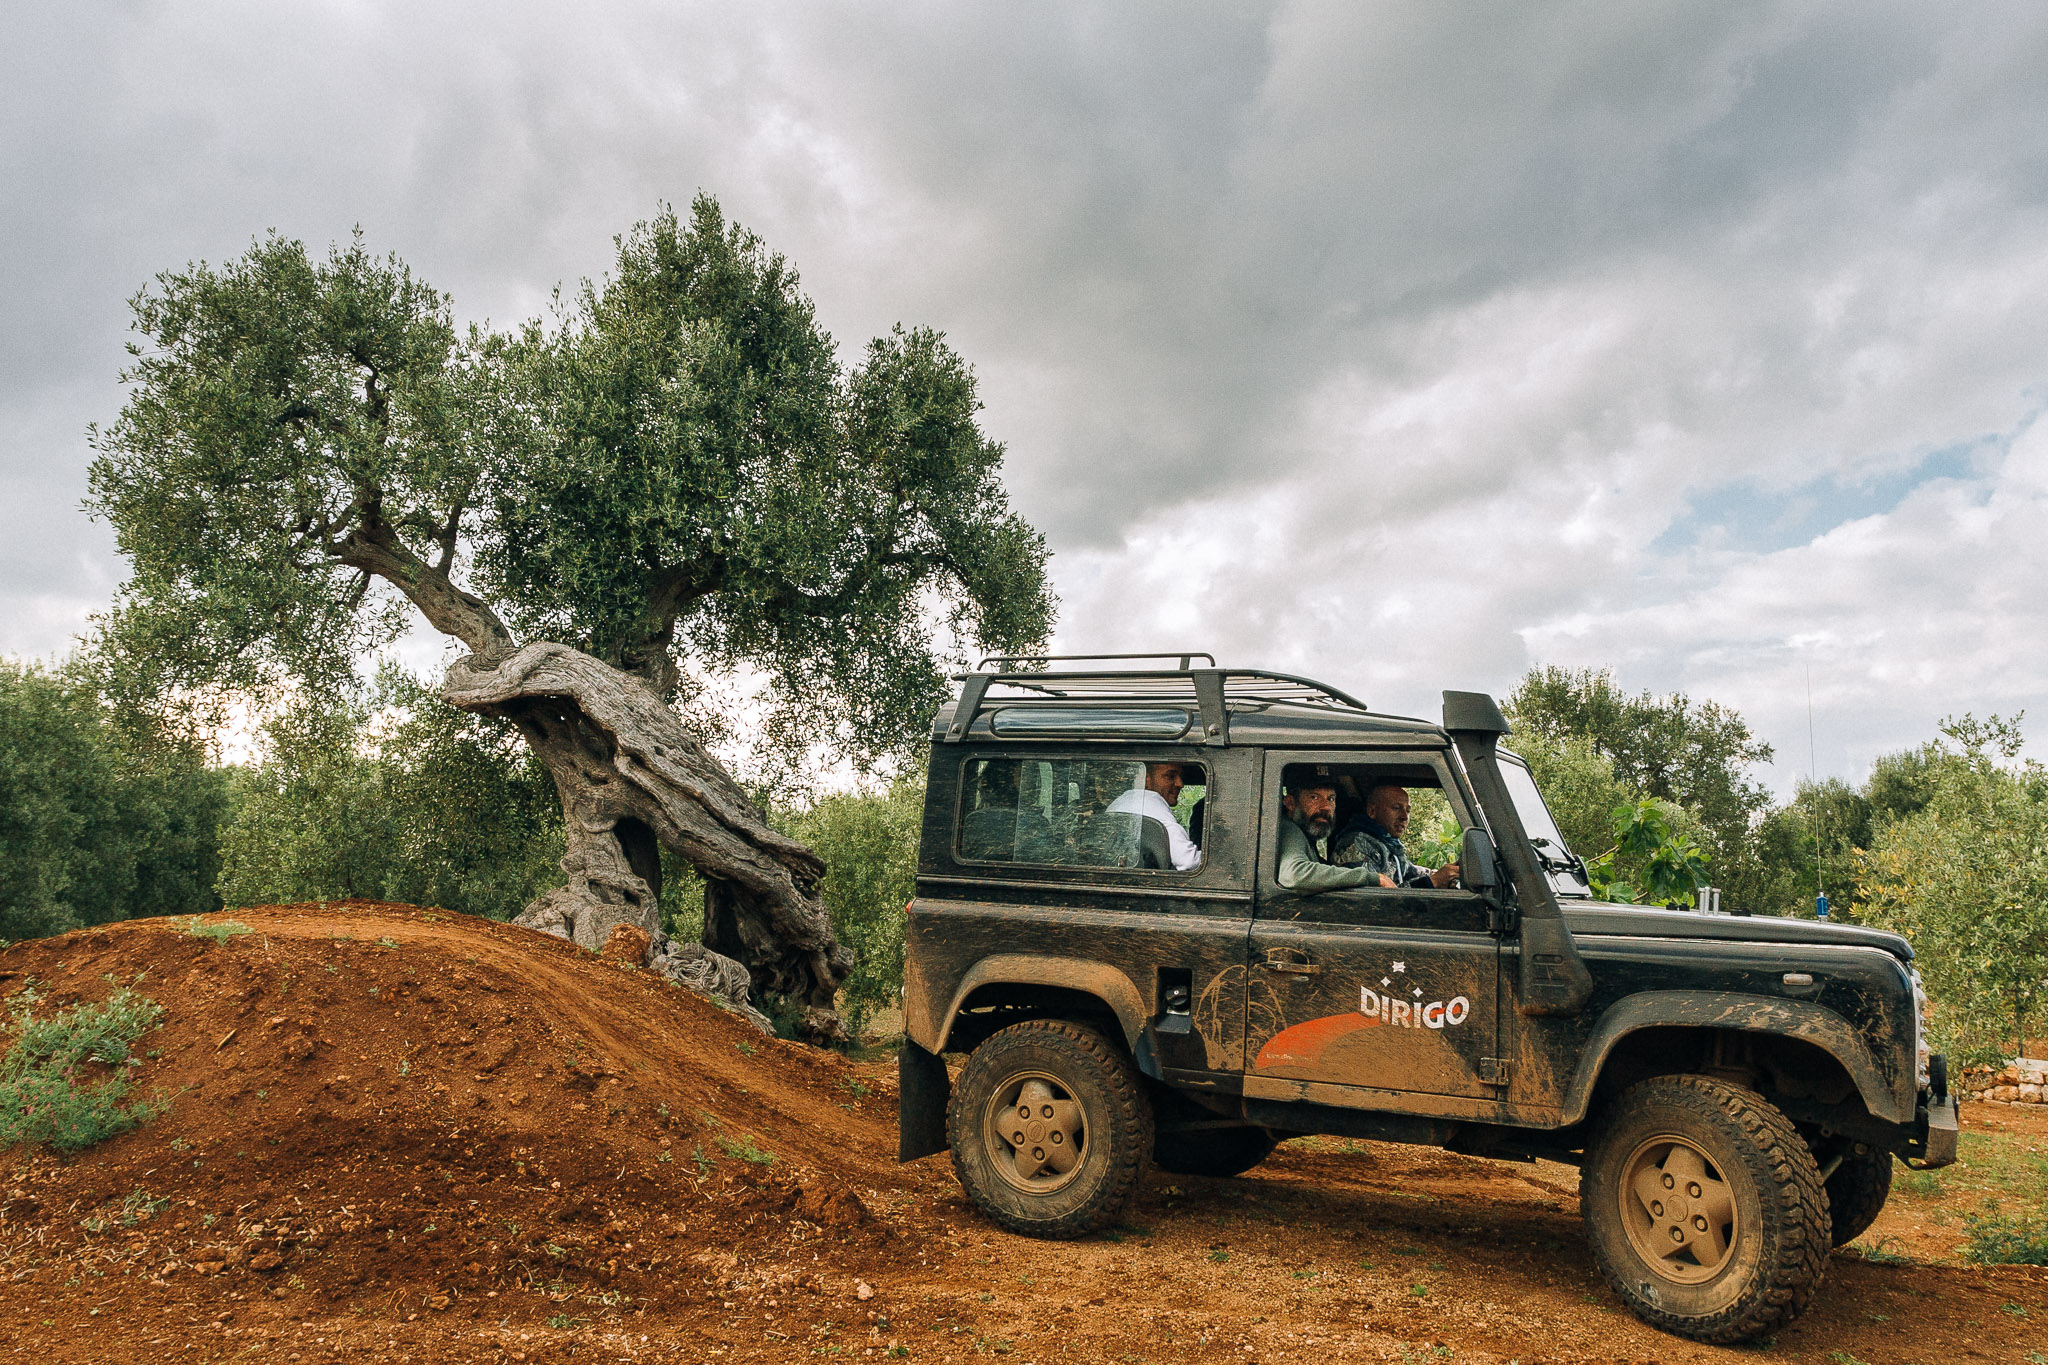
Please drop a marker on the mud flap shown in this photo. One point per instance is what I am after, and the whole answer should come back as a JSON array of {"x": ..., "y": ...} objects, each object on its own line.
[
  {"x": 1939, "y": 1147},
  {"x": 923, "y": 1088}
]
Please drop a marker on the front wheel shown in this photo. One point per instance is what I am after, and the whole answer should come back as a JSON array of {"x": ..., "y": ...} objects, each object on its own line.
[
  {"x": 1049, "y": 1129},
  {"x": 1705, "y": 1209}
]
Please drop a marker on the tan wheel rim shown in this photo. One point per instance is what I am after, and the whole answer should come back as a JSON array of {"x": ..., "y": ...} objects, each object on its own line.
[
  {"x": 1678, "y": 1209},
  {"x": 1035, "y": 1134}
]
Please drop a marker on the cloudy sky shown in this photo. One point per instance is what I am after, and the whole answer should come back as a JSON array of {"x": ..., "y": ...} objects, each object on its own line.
[{"x": 1404, "y": 345}]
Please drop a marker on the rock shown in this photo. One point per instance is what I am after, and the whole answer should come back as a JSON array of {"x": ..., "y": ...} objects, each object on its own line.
[
  {"x": 2031, "y": 1094},
  {"x": 863, "y": 1291},
  {"x": 832, "y": 1206},
  {"x": 629, "y": 943},
  {"x": 265, "y": 1260},
  {"x": 298, "y": 1047}
]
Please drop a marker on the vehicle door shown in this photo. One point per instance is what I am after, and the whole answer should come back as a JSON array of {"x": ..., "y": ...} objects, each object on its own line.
[{"x": 1358, "y": 994}]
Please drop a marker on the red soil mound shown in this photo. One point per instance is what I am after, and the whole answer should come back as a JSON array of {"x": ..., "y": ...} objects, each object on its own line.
[
  {"x": 438, "y": 1111},
  {"x": 400, "y": 1136}
]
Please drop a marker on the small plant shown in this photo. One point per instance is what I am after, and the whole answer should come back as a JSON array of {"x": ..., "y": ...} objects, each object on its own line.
[
  {"x": 852, "y": 1086},
  {"x": 387, "y": 942},
  {"x": 666, "y": 1157},
  {"x": 137, "y": 1206},
  {"x": 746, "y": 1048},
  {"x": 1883, "y": 1251},
  {"x": 562, "y": 1322},
  {"x": 2003, "y": 1239},
  {"x": 1219, "y": 1256},
  {"x": 46, "y": 1095},
  {"x": 219, "y": 931},
  {"x": 704, "y": 1163},
  {"x": 746, "y": 1150}
]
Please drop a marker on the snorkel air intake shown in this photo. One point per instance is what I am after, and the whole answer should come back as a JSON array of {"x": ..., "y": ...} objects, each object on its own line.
[{"x": 1554, "y": 979}]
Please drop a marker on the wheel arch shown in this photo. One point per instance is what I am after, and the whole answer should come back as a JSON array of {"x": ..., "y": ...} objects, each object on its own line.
[
  {"x": 1063, "y": 984},
  {"x": 1657, "y": 1032}
]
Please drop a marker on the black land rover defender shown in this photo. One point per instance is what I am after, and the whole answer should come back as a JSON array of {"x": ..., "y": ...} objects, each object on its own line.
[{"x": 1732, "y": 1089}]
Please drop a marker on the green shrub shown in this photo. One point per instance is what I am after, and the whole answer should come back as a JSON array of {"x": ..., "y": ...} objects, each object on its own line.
[
  {"x": 869, "y": 843},
  {"x": 2004, "y": 1239},
  {"x": 46, "y": 1092}
]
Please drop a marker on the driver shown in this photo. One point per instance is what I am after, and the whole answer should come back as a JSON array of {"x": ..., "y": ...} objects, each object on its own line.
[{"x": 1373, "y": 840}]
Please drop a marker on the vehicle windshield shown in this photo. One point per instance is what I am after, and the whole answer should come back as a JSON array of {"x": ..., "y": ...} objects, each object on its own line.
[{"x": 1567, "y": 873}]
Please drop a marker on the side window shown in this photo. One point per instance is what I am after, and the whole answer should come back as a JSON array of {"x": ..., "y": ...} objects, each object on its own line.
[
  {"x": 1082, "y": 812},
  {"x": 1393, "y": 819}
]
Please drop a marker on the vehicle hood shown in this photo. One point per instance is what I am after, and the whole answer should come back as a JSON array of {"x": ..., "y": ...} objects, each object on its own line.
[{"x": 1595, "y": 918}]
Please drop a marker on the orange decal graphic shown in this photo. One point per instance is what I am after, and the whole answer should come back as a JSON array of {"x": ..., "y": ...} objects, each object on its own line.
[{"x": 1304, "y": 1044}]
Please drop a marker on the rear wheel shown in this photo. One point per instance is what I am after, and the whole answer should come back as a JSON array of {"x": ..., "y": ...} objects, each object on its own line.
[
  {"x": 1219, "y": 1152},
  {"x": 1856, "y": 1193},
  {"x": 1705, "y": 1209},
  {"x": 1049, "y": 1129}
]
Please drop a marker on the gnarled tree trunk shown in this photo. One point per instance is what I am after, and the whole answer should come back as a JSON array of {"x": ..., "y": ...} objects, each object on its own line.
[{"x": 629, "y": 776}]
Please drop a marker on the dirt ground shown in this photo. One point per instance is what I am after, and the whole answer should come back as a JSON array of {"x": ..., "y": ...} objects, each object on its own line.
[{"x": 399, "y": 1135}]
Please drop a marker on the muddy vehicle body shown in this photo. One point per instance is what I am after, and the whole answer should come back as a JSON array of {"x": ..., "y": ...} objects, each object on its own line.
[{"x": 1734, "y": 1090}]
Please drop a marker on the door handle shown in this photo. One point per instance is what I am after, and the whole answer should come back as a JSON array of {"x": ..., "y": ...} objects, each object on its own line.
[{"x": 1292, "y": 967}]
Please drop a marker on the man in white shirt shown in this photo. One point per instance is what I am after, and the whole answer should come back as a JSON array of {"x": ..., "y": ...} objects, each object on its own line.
[{"x": 1155, "y": 799}]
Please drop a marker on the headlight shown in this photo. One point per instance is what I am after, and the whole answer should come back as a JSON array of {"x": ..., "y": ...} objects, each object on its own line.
[{"x": 1922, "y": 1051}]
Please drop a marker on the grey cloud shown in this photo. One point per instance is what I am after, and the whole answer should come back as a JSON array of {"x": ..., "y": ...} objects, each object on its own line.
[{"x": 1384, "y": 340}]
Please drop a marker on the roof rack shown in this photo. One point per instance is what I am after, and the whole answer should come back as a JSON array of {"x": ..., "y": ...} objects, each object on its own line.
[{"x": 1212, "y": 689}]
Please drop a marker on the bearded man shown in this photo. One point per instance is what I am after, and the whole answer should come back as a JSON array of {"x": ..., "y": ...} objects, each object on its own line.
[{"x": 1310, "y": 806}]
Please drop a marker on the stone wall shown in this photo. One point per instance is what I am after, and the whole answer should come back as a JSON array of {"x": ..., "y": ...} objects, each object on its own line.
[{"x": 2024, "y": 1080}]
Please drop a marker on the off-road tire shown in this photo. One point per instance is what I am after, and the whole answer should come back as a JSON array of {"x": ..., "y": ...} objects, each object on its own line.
[
  {"x": 1071, "y": 1062},
  {"x": 1754, "y": 1161},
  {"x": 1216, "y": 1152},
  {"x": 1856, "y": 1193}
]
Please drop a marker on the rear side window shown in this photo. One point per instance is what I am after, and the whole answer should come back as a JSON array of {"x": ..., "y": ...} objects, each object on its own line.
[{"x": 1078, "y": 812}]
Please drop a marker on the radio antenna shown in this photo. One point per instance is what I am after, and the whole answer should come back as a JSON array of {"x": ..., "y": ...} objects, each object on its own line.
[{"x": 1813, "y": 785}]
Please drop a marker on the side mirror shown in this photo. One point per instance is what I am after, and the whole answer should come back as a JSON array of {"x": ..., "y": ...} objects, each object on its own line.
[{"x": 1476, "y": 869}]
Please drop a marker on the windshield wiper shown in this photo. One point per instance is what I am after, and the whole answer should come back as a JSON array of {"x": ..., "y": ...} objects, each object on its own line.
[{"x": 1571, "y": 862}]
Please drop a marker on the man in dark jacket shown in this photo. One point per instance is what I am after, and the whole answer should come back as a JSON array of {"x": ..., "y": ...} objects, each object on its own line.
[{"x": 1372, "y": 840}]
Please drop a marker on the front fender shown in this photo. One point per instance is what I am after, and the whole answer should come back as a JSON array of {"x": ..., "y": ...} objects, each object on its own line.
[
  {"x": 1104, "y": 982},
  {"x": 1800, "y": 1019}
]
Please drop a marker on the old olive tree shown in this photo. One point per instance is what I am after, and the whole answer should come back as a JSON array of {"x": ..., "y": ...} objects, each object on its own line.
[{"x": 675, "y": 476}]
